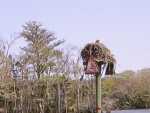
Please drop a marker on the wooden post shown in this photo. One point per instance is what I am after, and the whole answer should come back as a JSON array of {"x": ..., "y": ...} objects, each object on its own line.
[
  {"x": 91, "y": 94},
  {"x": 98, "y": 92}
]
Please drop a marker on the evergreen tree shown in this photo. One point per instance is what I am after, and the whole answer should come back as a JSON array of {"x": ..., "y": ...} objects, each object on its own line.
[{"x": 40, "y": 50}]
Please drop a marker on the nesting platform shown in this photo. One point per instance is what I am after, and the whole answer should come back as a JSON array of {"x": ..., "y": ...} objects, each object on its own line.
[{"x": 101, "y": 54}]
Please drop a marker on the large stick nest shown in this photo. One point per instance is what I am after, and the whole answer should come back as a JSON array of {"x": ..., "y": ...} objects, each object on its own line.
[{"x": 100, "y": 52}]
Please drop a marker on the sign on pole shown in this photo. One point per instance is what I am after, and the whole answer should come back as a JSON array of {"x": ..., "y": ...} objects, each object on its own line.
[{"x": 91, "y": 67}]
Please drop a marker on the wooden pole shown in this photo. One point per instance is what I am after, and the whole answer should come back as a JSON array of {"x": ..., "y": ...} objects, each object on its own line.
[
  {"x": 98, "y": 92},
  {"x": 91, "y": 94}
]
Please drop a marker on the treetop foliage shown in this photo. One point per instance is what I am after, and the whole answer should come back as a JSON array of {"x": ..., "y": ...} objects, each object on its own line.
[{"x": 40, "y": 51}]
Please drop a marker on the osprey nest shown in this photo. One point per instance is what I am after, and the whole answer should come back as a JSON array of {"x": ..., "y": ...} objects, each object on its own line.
[{"x": 101, "y": 54}]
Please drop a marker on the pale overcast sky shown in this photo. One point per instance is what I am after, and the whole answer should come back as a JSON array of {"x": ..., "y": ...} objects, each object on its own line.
[{"x": 122, "y": 25}]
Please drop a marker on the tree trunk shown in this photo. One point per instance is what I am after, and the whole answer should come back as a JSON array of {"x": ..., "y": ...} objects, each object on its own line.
[
  {"x": 65, "y": 102},
  {"x": 58, "y": 98},
  {"x": 78, "y": 109}
]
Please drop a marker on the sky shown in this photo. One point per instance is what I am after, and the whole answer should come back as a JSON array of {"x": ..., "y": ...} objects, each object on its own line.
[{"x": 121, "y": 25}]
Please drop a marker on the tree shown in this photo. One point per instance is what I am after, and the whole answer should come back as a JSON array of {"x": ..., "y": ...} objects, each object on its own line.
[{"x": 40, "y": 51}]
